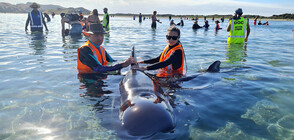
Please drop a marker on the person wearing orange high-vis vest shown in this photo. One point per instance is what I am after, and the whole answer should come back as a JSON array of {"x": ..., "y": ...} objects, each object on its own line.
[
  {"x": 171, "y": 61},
  {"x": 93, "y": 58}
]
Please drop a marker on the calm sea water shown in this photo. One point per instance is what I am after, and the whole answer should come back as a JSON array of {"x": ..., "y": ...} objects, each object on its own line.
[{"x": 43, "y": 98}]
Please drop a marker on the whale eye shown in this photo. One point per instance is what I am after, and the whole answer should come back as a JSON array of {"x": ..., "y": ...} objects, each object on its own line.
[{"x": 146, "y": 95}]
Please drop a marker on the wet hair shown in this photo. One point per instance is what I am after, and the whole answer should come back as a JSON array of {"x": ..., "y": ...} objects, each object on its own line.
[
  {"x": 95, "y": 12},
  {"x": 62, "y": 14},
  {"x": 175, "y": 29}
]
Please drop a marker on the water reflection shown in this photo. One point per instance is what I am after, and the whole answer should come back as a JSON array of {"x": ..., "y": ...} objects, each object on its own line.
[
  {"x": 236, "y": 53},
  {"x": 205, "y": 31},
  {"x": 153, "y": 34},
  {"x": 216, "y": 32},
  {"x": 106, "y": 38},
  {"x": 37, "y": 42},
  {"x": 72, "y": 39},
  {"x": 195, "y": 31},
  {"x": 106, "y": 104},
  {"x": 93, "y": 83}
]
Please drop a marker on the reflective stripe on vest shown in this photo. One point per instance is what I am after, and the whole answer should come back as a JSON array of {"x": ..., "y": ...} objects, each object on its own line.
[
  {"x": 169, "y": 71},
  {"x": 99, "y": 56},
  {"x": 243, "y": 27},
  {"x": 238, "y": 31},
  {"x": 34, "y": 23}
]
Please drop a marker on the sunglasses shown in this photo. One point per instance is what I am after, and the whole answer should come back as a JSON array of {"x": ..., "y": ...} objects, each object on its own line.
[{"x": 172, "y": 37}]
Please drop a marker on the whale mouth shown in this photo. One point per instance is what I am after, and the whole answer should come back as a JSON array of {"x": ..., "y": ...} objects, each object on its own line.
[{"x": 146, "y": 118}]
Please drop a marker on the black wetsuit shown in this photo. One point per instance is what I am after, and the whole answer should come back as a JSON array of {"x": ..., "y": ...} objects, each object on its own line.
[
  {"x": 175, "y": 59},
  {"x": 181, "y": 23},
  {"x": 196, "y": 26}
]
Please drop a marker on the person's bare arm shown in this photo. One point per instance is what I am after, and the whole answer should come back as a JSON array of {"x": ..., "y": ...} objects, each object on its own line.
[
  {"x": 248, "y": 31},
  {"x": 229, "y": 28},
  {"x": 27, "y": 23},
  {"x": 43, "y": 20},
  {"x": 62, "y": 27}
]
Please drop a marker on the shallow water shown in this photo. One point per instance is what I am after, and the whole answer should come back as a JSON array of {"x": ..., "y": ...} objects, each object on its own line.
[{"x": 251, "y": 98}]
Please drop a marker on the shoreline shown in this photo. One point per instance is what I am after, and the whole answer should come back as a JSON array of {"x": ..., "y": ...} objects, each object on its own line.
[{"x": 209, "y": 17}]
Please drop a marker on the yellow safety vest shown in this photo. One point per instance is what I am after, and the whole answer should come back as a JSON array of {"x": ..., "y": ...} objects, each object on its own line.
[
  {"x": 238, "y": 31},
  {"x": 104, "y": 22}
]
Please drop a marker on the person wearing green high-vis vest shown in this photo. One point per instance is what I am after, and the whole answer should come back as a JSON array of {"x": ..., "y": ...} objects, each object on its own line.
[
  {"x": 238, "y": 28},
  {"x": 105, "y": 21}
]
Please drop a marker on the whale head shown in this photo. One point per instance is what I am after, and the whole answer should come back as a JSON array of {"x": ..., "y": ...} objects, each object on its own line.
[{"x": 146, "y": 116}]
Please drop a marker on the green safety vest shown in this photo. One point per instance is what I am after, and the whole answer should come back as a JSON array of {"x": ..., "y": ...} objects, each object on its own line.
[
  {"x": 237, "y": 31},
  {"x": 104, "y": 22}
]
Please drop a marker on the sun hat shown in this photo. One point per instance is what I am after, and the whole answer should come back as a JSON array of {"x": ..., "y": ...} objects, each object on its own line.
[
  {"x": 34, "y": 5},
  {"x": 96, "y": 28},
  {"x": 239, "y": 11}
]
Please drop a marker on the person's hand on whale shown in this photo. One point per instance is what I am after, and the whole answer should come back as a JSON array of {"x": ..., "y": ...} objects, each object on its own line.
[
  {"x": 129, "y": 61},
  {"x": 139, "y": 68}
]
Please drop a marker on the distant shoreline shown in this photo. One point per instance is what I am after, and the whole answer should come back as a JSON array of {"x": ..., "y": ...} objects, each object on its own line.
[
  {"x": 50, "y": 8},
  {"x": 209, "y": 17}
]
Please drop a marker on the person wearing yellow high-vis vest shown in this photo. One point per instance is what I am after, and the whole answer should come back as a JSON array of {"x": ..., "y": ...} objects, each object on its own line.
[
  {"x": 238, "y": 28},
  {"x": 105, "y": 21}
]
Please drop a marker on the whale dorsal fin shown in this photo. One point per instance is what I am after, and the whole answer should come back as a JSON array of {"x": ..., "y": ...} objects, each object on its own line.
[
  {"x": 214, "y": 67},
  {"x": 133, "y": 55}
]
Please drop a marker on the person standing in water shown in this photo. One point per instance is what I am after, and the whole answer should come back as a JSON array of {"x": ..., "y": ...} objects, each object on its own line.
[
  {"x": 140, "y": 17},
  {"x": 238, "y": 27},
  {"x": 172, "y": 23},
  {"x": 36, "y": 19},
  {"x": 73, "y": 20},
  {"x": 196, "y": 25},
  {"x": 92, "y": 18},
  {"x": 181, "y": 23},
  {"x": 206, "y": 25},
  {"x": 81, "y": 15},
  {"x": 47, "y": 17},
  {"x": 255, "y": 20},
  {"x": 217, "y": 27},
  {"x": 105, "y": 21},
  {"x": 154, "y": 20}
]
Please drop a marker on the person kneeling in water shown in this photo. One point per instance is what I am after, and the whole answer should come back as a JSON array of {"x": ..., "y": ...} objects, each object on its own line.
[
  {"x": 93, "y": 58},
  {"x": 171, "y": 60}
]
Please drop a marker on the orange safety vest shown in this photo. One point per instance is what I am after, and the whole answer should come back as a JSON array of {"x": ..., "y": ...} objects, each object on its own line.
[
  {"x": 217, "y": 27},
  {"x": 99, "y": 56},
  {"x": 82, "y": 23},
  {"x": 169, "y": 71}
]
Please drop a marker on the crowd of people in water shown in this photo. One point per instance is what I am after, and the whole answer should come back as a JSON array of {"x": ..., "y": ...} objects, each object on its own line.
[{"x": 93, "y": 58}]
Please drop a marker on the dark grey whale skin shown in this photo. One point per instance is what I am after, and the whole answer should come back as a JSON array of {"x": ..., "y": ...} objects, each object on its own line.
[{"x": 145, "y": 110}]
